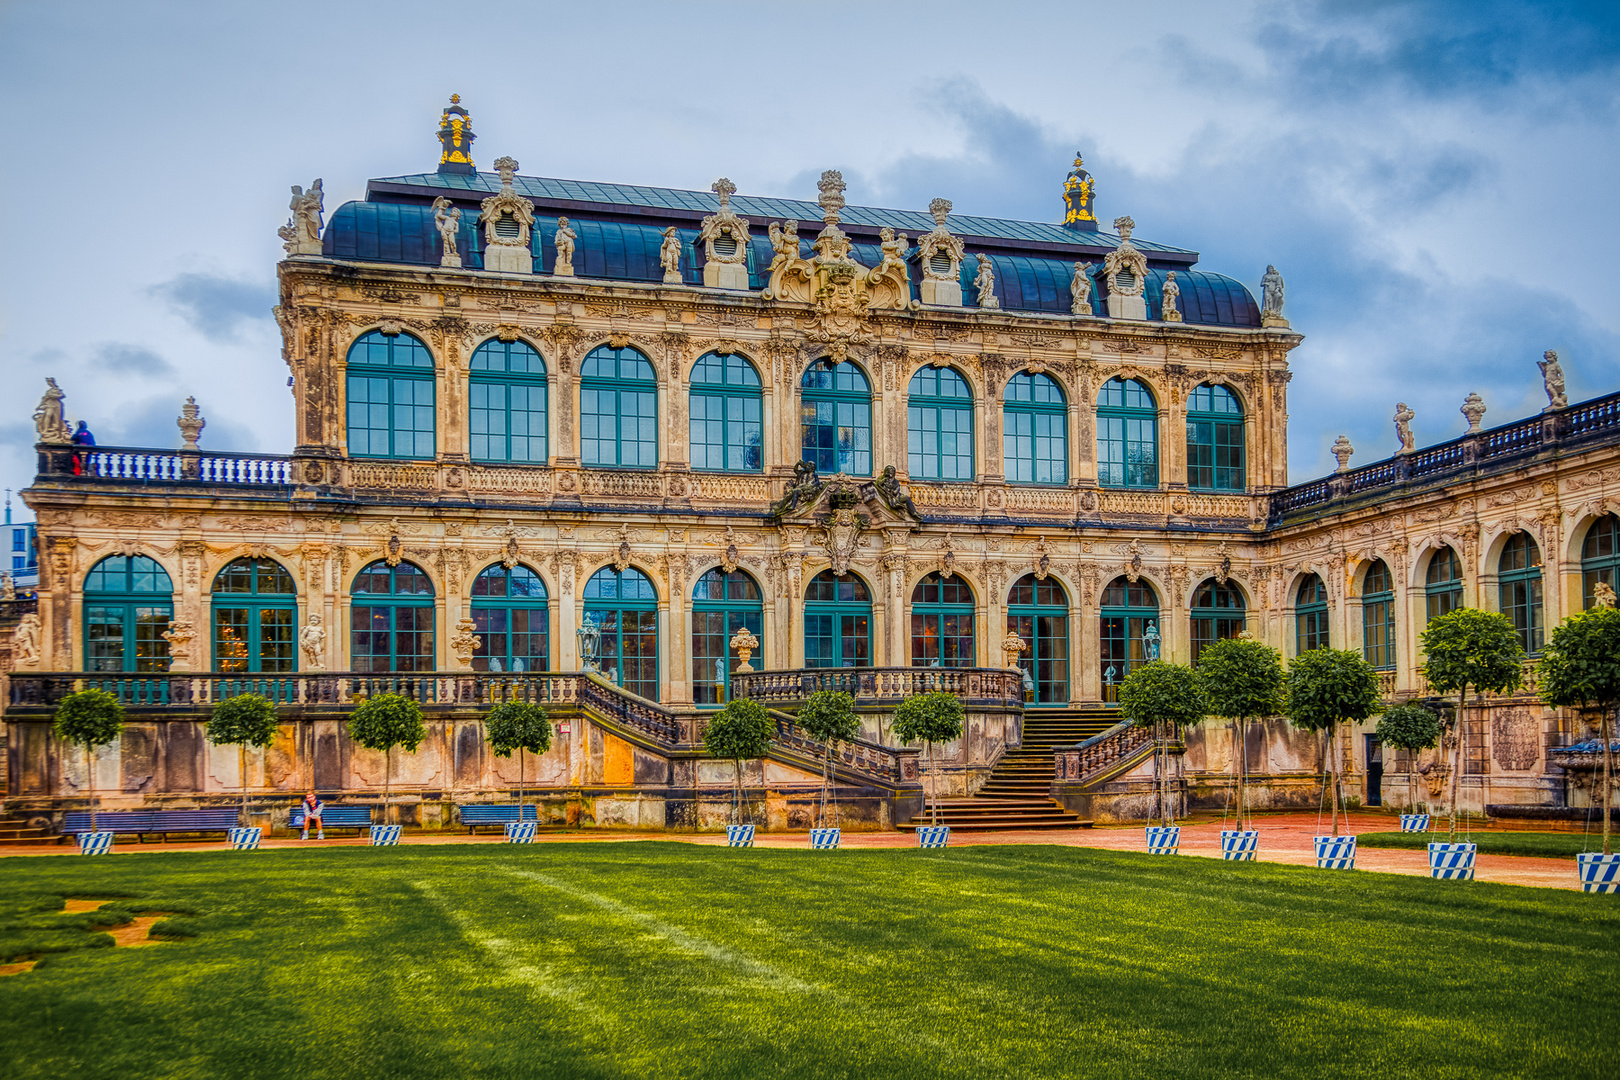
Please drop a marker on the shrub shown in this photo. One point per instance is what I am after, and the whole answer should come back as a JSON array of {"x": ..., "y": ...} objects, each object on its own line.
[
  {"x": 1327, "y": 687},
  {"x": 828, "y": 716},
  {"x": 90, "y": 718},
  {"x": 931, "y": 718},
  {"x": 243, "y": 721},
  {"x": 384, "y": 722},
  {"x": 518, "y": 726},
  {"x": 1161, "y": 694},
  {"x": 1468, "y": 647},
  {"x": 1243, "y": 679},
  {"x": 740, "y": 731},
  {"x": 1581, "y": 666}
]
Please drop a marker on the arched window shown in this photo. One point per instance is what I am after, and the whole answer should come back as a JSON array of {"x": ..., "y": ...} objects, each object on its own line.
[
  {"x": 1217, "y": 614},
  {"x": 255, "y": 617},
  {"x": 1600, "y": 556},
  {"x": 939, "y": 426},
  {"x": 727, "y": 426},
  {"x": 1378, "y": 616},
  {"x": 837, "y": 622},
  {"x": 722, "y": 604},
  {"x": 506, "y": 394},
  {"x": 1311, "y": 615},
  {"x": 128, "y": 603},
  {"x": 1214, "y": 440},
  {"x": 1038, "y": 612},
  {"x": 390, "y": 397},
  {"x": 1443, "y": 583},
  {"x": 942, "y": 622},
  {"x": 1129, "y": 611},
  {"x": 835, "y": 420},
  {"x": 510, "y": 620},
  {"x": 391, "y": 620},
  {"x": 1127, "y": 435},
  {"x": 618, "y": 409},
  {"x": 1035, "y": 431},
  {"x": 623, "y": 605},
  {"x": 1519, "y": 577}
]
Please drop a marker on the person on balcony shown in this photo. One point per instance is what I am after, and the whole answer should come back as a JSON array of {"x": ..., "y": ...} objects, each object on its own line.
[
  {"x": 312, "y": 812},
  {"x": 81, "y": 437}
]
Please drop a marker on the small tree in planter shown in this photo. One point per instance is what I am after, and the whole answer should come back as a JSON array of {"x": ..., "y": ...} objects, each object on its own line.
[
  {"x": 1468, "y": 647},
  {"x": 243, "y": 721},
  {"x": 90, "y": 718},
  {"x": 1412, "y": 728},
  {"x": 740, "y": 731},
  {"x": 931, "y": 718},
  {"x": 518, "y": 726},
  {"x": 1243, "y": 679},
  {"x": 384, "y": 722},
  {"x": 1163, "y": 696},
  {"x": 1327, "y": 687},
  {"x": 828, "y": 715},
  {"x": 1581, "y": 666}
]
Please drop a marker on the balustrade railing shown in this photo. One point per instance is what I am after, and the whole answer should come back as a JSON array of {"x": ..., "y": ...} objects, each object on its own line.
[
  {"x": 1102, "y": 751},
  {"x": 871, "y": 686},
  {"x": 138, "y": 465},
  {"x": 183, "y": 690}
]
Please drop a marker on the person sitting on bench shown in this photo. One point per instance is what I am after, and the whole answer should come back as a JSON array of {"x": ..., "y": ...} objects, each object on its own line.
[{"x": 312, "y": 812}]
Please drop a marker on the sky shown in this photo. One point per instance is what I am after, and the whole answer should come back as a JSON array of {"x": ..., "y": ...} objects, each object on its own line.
[{"x": 1433, "y": 180}]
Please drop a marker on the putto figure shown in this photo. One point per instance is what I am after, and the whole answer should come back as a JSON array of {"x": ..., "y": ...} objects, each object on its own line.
[
  {"x": 312, "y": 642},
  {"x": 1552, "y": 377},
  {"x": 1170, "y": 307},
  {"x": 1403, "y": 428},
  {"x": 669, "y": 256},
  {"x": 1080, "y": 289},
  {"x": 985, "y": 282},
  {"x": 564, "y": 239},
  {"x": 447, "y": 219}
]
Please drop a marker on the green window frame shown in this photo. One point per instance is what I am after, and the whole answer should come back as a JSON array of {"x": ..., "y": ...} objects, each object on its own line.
[
  {"x": 1600, "y": 556},
  {"x": 511, "y": 620},
  {"x": 128, "y": 604},
  {"x": 1311, "y": 615},
  {"x": 1520, "y": 591},
  {"x": 726, "y": 427},
  {"x": 255, "y": 618},
  {"x": 722, "y": 604},
  {"x": 1443, "y": 583},
  {"x": 623, "y": 605},
  {"x": 1129, "y": 610},
  {"x": 1214, "y": 440},
  {"x": 942, "y": 622},
  {"x": 1218, "y": 613},
  {"x": 618, "y": 409},
  {"x": 506, "y": 404},
  {"x": 391, "y": 618},
  {"x": 939, "y": 426},
  {"x": 1034, "y": 430},
  {"x": 1378, "y": 616},
  {"x": 1038, "y": 612},
  {"x": 837, "y": 621},
  {"x": 390, "y": 397},
  {"x": 835, "y": 418},
  {"x": 1127, "y": 435}
]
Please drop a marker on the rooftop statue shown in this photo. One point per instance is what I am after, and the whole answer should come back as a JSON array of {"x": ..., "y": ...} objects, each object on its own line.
[
  {"x": 893, "y": 493},
  {"x": 447, "y": 219},
  {"x": 1170, "y": 306},
  {"x": 1403, "y": 428},
  {"x": 803, "y": 490},
  {"x": 564, "y": 238},
  {"x": 302, "y": 233},
  {"x": 1271, "y": 301},
  {"x": 49, "y": 424},
  {"x": 669, "y": 256},
  {"x": 1342, "y": 450},
  {"x": 1078, "y": 191},
  {"x": 1552, "y": 377},
  {"x": 1473, "y": 407},
  {"x": 985, "y": 282},
  {"x": 1080, "y": 289}
]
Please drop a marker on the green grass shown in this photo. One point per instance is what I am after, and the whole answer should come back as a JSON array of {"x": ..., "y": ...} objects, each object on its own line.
[
  {"x": 1549, "y": 844},
  {"x": 672, "y": 960}
]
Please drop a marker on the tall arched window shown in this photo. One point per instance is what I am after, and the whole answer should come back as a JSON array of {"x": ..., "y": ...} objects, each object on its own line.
[
  {"x": 618, "y": 409},
  {"x": 1214, "y": 440},
  {"x": 510, "y": 620},
  {"x": 942, "y": 622},
  {"x": 1442, "y": 585},
  {"x": 835, "y": 421},
  {"x": 939, "y": 426},
  {"x": 391, "y": 619},
  {"x": 1600, "y": 556},
  {"x": 1378, "y": 616},
  {"x": 506, "y": 394},
  {"x": 1127, "y": 435},
  {"x": 1519, "y": 577},
  {"x": 255, "y": 617},
  {"x": 624, "y": 605},
  {"x": 1310, "y": 615},
  {"x": 837, "y": 622},
  {"x": 390, "y": 397},
  {"x": 128, "y": 603},
  {"x": 1129, "y": 610},
  {"x": 1038, "y": 612},
  {"x": 722, "y": 604},
  {"x": 1035, "y": 431},
  {"x": 727, "y": 425},
  {"x": 1217, "y": 614}
]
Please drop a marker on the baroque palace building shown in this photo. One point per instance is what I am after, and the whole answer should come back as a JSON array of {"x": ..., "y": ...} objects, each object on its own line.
[{"x": 910, "y": 443}]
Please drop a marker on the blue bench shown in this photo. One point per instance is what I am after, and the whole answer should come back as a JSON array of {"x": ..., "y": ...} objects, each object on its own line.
[
  {"x": 333, "y": 817},
  {"x": 162, "y": 822},
  {"x": 501, "y": 814}
]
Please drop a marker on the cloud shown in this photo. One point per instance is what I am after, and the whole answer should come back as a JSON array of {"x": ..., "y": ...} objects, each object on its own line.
[
  {"x": 151, "y": 422},
  {"x": 217, "y": 307},
  {"x": 120, "y": 358}
]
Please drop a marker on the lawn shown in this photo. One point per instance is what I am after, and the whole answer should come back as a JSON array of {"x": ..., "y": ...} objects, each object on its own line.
[
  {"x": 672, "y": 960},
  {"x": 1552, "y": 845}
]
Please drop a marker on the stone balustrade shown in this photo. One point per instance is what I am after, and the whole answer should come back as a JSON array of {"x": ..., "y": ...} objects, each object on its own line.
[{"x": 883, "y": 686}]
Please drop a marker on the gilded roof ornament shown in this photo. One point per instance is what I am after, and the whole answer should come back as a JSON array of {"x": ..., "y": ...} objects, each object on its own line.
[{"x": 456, "y": 139}]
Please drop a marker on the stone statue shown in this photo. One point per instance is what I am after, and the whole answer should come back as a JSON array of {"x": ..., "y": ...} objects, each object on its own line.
[
  {"x": 191, "y": 424},
  {"x": 985, "y": 282},
  {"x": 669, "y": 256},
  {"x": 1603, "y": 595},
  {"x": 1080, "y": 289},
  {"x": 25, "y": 641},
  {"x": 1403, "y": 428},
  {"x": 179, "y": 635},
  {"x": 1342, "y": 450},
  {"x": 564, "y": 240},
  {"x": 49, "y": 423},
  {"x": 1170, "y": 308},
  {"x": 8, "y": 586},
  {"x": 1473, "y": 407},
  {"x": 312, "y": 642},
  {"x": 302, "y": 233},
  {"x": 1271, "y": 298},
  {"x": 893, "y": 493},
  {"x": 894, "y": 254},
  {"x": 1552, "y": 377},
  {"x": 447, "y": 219},
  {"x": 1150, "y": 643},
  {"x": 804, "y": 489}
]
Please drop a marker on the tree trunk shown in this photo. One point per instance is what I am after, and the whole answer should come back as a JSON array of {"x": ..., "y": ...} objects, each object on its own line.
[
  {"x": 388, "y": 778},
  {"x": 1608, "y": 772},
  {"x": 520, "y": 785},
  {"x": 736, "y": 795},
  {"x": 1243, "y": 768},
  {"x": 1456, "y": 772},
  {"x": 241, "y": 765},
  {"x": 90, "y": 782},
  {"x": 1333, "y": 780}
]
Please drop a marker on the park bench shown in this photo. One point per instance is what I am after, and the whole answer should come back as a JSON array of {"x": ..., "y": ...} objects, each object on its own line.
[
  {"x": 163, "y": 822},
  {"x": 334, "y": 817},
  {"x": 501, "y": 814}
]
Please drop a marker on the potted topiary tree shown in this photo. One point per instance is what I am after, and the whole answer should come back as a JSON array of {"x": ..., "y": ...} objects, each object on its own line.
[
  {"x": 516, "y": 726},
  {"x": 740, "y": 731},
  {"x": 1164, "y": 697},
  {"x": 1581, "y": 666},
  {"x": 1324, "y": 688},
  {"x": 1412, "y": 728},
  {"x": 932, "y": 717},
  {"x": 90, "y": 718},
  {"x": 243, "y": 721},
  {"x": 382, "y": 723},
  {"x": 828, "y": 716},
  {"x": 1243, "y": 680}
]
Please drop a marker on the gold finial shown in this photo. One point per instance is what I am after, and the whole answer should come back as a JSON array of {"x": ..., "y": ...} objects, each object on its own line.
[{"x": 455, "y": 99}]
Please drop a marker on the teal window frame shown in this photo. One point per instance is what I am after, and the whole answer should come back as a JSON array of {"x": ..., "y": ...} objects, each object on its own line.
[
  {"x": 722, "y": 604},
  {"x": 1378, "y": 617},
  {"x": 1035, "y": 430},
  {"x": 939, "y": 426},
  {"x": 1215, "y": 440},
  {"x": 835, "y": 418},
  {"x": 618, "y": 397},
  {"x": 507, "y": 399},
  {"x": 619, "y": 601},
  {"x": 726, "y": 421},
  {"x": 397, "y": 614},
  {"x": 134, "y": 594},
  {"x": 390, "y": 397},
  {"x": 1519, "y": 589},
  {"x": 1127, "y": 610},
  {"x": 1038, "y": 612},
  {"x": 269, "y": 602},
  {"x": 1442, "y": 583},
  {"x": 502, "y": 600},
  {"x": 1311, "y": 615},
  {"x": 838, "y": 619},
  {"x": 1127, "y": 435},
  {"x": 1218, "y": 614},
  {"x": 1600, "y": 556},
  {"x": 942, "y": 622}
]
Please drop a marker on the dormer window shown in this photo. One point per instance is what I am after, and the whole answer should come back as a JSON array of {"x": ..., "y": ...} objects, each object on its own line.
[
  {"x": 1125, "y": 280},
  {"x": 506, "y": 226},
  {"x": 725, "y": 245},
  {"x": 940, "y": 263}
]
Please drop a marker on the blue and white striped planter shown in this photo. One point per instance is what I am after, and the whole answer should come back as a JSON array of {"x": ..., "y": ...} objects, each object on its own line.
[
  {"x": 1414, "y": 823},
  {"x": 823, "y": 839},
  {"x": 1163, "y": 839},
  {"x": 1599, "y": 873},
  {"x": 739, "y": 836},
  {"x": 95, "y": 843},
  {"x": 385, "y": 835},
  {"x": 1336, "y": 852},
  {"x": 520, "y": 832},
  {"x": 933, "y": 835},
  {"x": 1452, "y": 862},
  {"x": 246, "y": 839},
  {"x": 1239, "y": 845}
]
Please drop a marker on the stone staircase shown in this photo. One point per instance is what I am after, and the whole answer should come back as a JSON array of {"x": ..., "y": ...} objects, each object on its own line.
[
  {"x": 1017, "y": 794},
  {"x": 16, "y": 832}
]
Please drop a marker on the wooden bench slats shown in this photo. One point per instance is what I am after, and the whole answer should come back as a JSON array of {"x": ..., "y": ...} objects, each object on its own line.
[
  {"x": 476, "y": 814},
  {"x": 335, "y": 817}
]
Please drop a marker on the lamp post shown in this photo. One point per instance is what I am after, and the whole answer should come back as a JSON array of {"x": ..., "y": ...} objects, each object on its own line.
[{"x": 590, "y": 640}]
